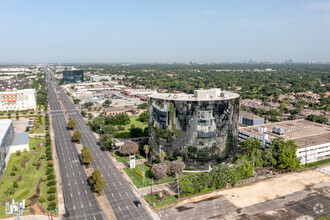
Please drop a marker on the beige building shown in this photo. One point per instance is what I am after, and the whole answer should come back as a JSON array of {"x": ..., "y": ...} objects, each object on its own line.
[{"x": 18, "y": 100}]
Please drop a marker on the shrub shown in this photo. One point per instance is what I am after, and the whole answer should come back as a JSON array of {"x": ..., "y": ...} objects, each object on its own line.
[
  {"x": 42, "y": 199},
  {"x": 121, "y": 128},
  {"x": 15, "y": 184},
  {"x": 51, "y": 206},
  {"x": 43, "y": 179},
  {"x": 148, "y": 164},
  {"x": 139, "y": 172},
  {"x": 49, "y": 171},
  {"x": 51, "y": 198},
  {"x": 51, "y": 177},
  {"x": 36, "y": 163},
  {"x": 51, "y": 190},
  {"x": 157, "y": 160},
  {"x": 18, "y": 153},
  {"x": 14, "y": 168},
  {"x": 51, "y": 183},
  {"x": 9, "y": 191},
  {"x": 12, "y": 173},
  {"x": 50, "y": 165}
]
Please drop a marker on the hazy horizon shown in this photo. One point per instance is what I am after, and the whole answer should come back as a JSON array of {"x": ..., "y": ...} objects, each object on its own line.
[{"x": 164, "y": 32}]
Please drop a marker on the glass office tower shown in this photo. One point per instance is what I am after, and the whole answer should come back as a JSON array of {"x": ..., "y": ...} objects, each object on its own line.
[
  {"x": 73, "y": 76},
  {"x": 201, "y": 127}
]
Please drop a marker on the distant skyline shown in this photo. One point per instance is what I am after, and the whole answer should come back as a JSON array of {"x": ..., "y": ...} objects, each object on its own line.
[{"x": 80, "y": 31}]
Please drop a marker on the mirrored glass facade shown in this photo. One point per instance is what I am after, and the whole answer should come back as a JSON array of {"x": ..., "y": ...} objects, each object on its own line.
[
  {"x": 201, "y": 129},
  {"x": 73, "y": 76}
]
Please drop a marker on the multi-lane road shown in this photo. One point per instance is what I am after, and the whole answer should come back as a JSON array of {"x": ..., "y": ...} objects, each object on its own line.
[
  {"x": 80, "y": 202},
  {"x": 119, "y": 194}
]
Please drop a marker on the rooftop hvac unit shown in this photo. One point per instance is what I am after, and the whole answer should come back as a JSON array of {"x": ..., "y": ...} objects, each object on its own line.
[{"x": 279, "y": 131}]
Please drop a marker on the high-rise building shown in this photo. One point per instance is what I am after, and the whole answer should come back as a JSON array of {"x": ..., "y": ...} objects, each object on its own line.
[
  {"x": 18, "y": 100},
  {"x": 73, "y": 76},
  {"x": 201, "y": 127}
]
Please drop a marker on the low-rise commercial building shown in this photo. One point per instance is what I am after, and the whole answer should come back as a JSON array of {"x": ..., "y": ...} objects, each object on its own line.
[
  {"x": 18, "y": 100},
  {"x": 115, "y": 111},
  {"x": 248, "y": 118},
  {"x": 98, "y": 78},
  {"x": 313, "y": 139}
]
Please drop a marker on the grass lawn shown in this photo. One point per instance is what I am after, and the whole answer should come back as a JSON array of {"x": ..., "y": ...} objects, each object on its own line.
[
  {"x": 126, "y": 133},
  {"x": 30, "y": 176},
  {"x": 42, "y": 126},
  {"x": 138, "y": 180},
  {"x": 160, "y": 202},
  {"x": 318, "y": 163},
  {"x": 123, "y": 159}
]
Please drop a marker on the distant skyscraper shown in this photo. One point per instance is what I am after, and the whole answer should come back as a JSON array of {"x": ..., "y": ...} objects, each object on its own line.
[{"x": 73, "y": 76}]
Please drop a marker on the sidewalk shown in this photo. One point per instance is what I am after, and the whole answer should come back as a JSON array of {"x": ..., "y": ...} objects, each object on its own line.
[
  {"x": 171, "y": 188},
  {"x": 35, "y": 217}
]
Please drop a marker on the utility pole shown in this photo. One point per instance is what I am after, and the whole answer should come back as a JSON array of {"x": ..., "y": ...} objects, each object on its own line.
[
  {"x": 305, "y": 155},
  {"x": 151, "y": 182},
  {"x": 178, "y": 182}
]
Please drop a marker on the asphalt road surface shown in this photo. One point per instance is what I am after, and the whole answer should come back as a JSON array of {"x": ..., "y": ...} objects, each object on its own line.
[
  {"x": 119, "y": 194},
  {"x": 308, "y": 204},
  {"x": 80, "y": 203}
]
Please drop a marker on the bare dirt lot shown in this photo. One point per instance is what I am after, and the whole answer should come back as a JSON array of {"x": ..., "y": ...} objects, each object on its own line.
[{"x": 288, "y": 196}]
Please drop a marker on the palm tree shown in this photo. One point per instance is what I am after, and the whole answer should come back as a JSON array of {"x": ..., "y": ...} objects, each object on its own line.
[
  {"x": 146, "y": 150},
  {"x": 161, "y": 156}
]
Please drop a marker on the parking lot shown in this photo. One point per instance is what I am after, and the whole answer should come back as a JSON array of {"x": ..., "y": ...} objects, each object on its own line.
[
  {"x": 290, "y": 196},
  {"x": 21, "y": 124}
]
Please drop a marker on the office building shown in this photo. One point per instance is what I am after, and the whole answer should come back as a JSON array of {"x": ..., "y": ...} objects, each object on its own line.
[
  {"x": 248, "y": 118},
  {"x": 202, "y": 127},
  {"x": 73, "y": 76},
  {"x": 18, "y": 100},
  {"x": 6, "y": 138}
]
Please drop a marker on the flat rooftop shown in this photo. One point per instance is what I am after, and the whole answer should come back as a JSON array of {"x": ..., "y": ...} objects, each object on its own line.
[
  {"x": 302, "y": 131},
  {"x": 199, "y": 95},
  {"x": 21, "y": 138}
]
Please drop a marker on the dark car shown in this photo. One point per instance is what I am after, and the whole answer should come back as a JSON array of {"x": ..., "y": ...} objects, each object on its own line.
[{"x": 137, "y": 203}]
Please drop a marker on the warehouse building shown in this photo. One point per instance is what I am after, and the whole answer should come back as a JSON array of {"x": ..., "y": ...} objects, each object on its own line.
[{"x": 313, "y": 139}]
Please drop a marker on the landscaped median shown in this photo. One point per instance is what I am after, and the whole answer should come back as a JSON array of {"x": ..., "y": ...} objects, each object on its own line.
[{"x": 30, "y": 176}]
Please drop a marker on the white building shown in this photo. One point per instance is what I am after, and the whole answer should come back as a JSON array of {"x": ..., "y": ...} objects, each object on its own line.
[
  {"x": 97, "y": 78},
  {"x": 10, "y": 142},
  {"x": 18, "y": 100},
  {"x": 6, "y": 138},
  {"x": 313, "y": 139}
]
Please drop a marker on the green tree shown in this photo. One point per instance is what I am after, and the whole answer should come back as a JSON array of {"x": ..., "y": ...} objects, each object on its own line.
[
  {"x": 143, "y": 117},
  {"x": 185, "y": 185},
  {"x": 76, "y": 135},
  {"x": 286, "y": 154},
  {"x": 107, "y": 103},
  {"x": 76, "y": 101},
  {"x": 72, "y": 124},
  {"x": 97, "y": 181},
  {"x": 107, "y": 141},
  {"x": 87, "y": 156}
]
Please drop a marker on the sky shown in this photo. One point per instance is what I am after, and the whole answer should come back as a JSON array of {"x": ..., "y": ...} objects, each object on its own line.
[{"x": 124, "y": 31}]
